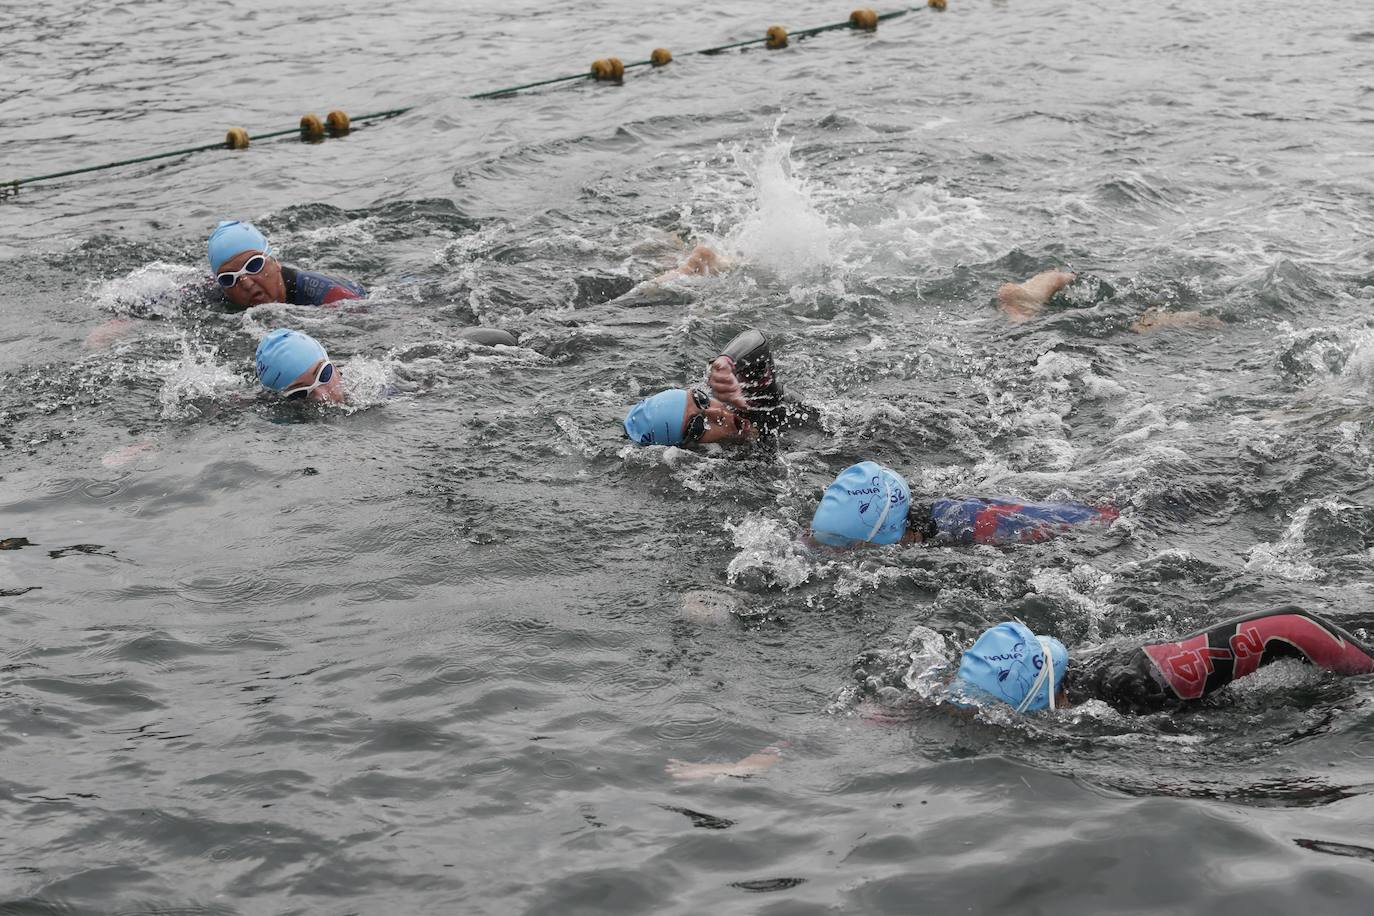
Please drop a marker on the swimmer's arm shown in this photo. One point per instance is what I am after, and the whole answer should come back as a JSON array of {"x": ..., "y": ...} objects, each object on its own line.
[
  {"x": 753, "y": 765},
  {"x": 1023, "y": 301}
]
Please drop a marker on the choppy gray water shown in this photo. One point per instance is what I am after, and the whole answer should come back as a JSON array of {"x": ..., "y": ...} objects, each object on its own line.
[{"x": 434, "y": 652}]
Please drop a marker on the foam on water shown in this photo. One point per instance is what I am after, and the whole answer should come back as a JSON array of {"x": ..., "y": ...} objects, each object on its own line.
[
  {"x": 157, "y": 289},
  {"x": 930, "y": 662},
  {"x": 1288, "y": 557},
  {"x": 1078, "y": 591},
  {"x": 768, "y": 554},
  {"x": 194, "y": 379},
  {"x": 932, "y": 229},
  {"x": 368, "y": 382}
]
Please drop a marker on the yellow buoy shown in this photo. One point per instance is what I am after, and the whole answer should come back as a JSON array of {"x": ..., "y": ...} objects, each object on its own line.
[
  {"x": 337, "y": 122},
  {"x": 236, "y": 138},
  {"x": 777, "y": 37},
  {"x": 312, "y": 128},
  {"x": 864, "y": 18},
  {"x": 608, "y": 69},
  {"x": 936, "y": 4},
  {"x": 660, "y": 57}
]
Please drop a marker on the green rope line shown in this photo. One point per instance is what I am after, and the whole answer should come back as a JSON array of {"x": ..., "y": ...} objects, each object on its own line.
[
  {"x": 10, "y": 188},
  {"x": 799, "y": 34}
]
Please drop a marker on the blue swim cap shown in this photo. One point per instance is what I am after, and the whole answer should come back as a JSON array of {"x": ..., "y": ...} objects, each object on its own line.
[
  {"x": 657, "y": 420},
  {"x": 1007, "y": 663},
  {"x": 867, "y": 503},
  {"x": 283, "y": 355},
  {"x": 231, "y": 237}
]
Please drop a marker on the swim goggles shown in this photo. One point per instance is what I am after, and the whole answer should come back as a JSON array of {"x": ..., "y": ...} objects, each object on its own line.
[
  {"x": 253, "y": 265},
  {"x": 322, "y": 377},
  {"x": 696, "y": 426}
]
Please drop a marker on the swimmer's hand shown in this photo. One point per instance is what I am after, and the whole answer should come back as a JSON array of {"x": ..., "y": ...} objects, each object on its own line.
[
  {"x": 105, "y": 336},
  {"x": 753, "y": 765},
  {"x": 703, "y": 261},
  {"x": 724, "y": 385}
]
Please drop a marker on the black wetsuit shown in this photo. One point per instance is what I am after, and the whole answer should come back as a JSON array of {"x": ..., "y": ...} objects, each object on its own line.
[{"x": 1168, "y": 675}]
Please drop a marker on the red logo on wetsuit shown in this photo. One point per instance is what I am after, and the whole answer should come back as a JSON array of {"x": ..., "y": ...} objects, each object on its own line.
[
  {"x": 986, "y": 521},
  {"x": 1188, "y": 666}
]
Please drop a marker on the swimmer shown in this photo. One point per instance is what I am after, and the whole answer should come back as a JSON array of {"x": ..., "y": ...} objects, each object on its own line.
[
  {"x": 1021, "y": 302},
  {"x": 1010, "y": 664},
  {"x": 745, "y": 403},
  {"x": 296, "y": 365},
  {"x": 247, "y": 273},
  {"x": 871, "y": 504}
]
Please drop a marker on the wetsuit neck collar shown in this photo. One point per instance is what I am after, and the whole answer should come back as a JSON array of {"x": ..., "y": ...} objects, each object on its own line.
[{"x": 288, "y": 282}]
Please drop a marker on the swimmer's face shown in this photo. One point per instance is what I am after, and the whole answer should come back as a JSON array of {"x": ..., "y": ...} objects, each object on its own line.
[
  {"x": 254, "y": 289},
  {"x": 330, "y": 392},
  {"x": 717, "y": 422}
]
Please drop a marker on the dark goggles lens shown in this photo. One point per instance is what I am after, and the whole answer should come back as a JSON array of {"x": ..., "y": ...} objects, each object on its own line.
[
  {"x": 696, "y": 426},
  {"x": 321, "y": 378}
]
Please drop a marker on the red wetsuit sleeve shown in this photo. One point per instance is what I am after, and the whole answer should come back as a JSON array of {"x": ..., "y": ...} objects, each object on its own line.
[
  {"x": 339, "y": 294},
  {"x": 1208, "y": 660}
]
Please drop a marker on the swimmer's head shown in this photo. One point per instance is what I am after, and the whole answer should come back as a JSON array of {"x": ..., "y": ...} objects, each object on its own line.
[
  {"x": 242, "y": 262},
  {"x": 1011, "y": 664},
  {"x": 296, "y": 366},
  {"x": 684, "y": 416},
  {"x": 866, "y": 504},
  {"x": 233, "y": 237}
]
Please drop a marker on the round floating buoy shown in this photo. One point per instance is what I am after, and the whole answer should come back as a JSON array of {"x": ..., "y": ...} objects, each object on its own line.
[
  {"x": 660, "y": 57},
  {"x": 338, "y": 123},
  {"x": 777, "y": 37},
  {"x": 236, "y": 138},
  {"x": 312, "y": 128},
  {"x": 936, "y": 4},
  {"x": 608, "y": 69},
  {"x": 864, "y": 18}
]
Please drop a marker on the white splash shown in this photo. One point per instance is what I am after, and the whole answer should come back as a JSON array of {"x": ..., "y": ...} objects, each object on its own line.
[
  {"x": 785, "y": 232},
  {"x": 1287, "y": 557},
  {"x": 197, "y": 376},
  {"x": 930, "y": 660},
  {"x": 368, "y": 382},
  {"x": 154, "y": 289},
  {"x": 767, "y": 554},
  {"x": 1077, "y": 591}
]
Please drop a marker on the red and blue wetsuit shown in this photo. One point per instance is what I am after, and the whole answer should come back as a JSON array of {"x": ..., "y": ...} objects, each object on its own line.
[
  {"x": 305, "y": 287},
  {"x": 974, "y": 520}
]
